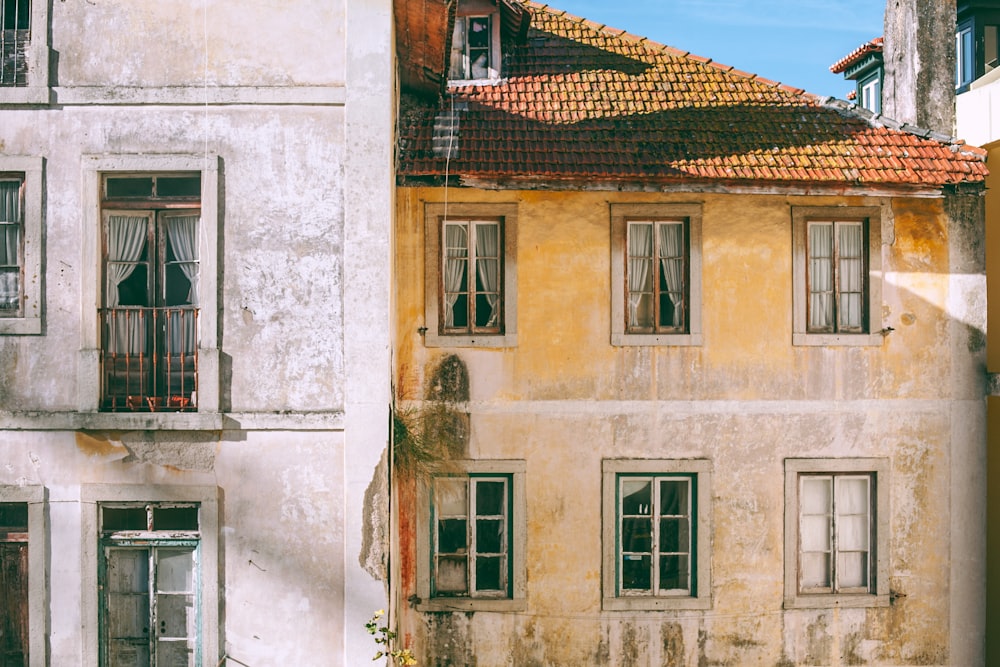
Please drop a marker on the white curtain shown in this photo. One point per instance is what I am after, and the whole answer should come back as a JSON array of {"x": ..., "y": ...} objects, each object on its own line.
[
  {"x": 488, "y": 267},
  {"x": 815, "y": 531},
  {"x": 10, "y": 243},
  {"x": 821, "y": 276},
  {"x": 853, "y": 531},
  {"x": 126, "y": 240},
  {"x": 640, "y": 264},
  {"x": 182, "y": 234},
  {"x": 456, "y": 253},
  {"x": 851, "y": 274},
  {"x": 671, "y": 243}
]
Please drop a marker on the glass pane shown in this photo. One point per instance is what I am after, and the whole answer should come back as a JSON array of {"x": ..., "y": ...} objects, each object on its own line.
[
  {"x": 636, "y": 535},
  {"x": 178, "y": 186},
  {"x": 488, "y": 571},
  {"x": 991, "y": 53},
  {"x": 175, "y": 570},
  {"x": 674, "y": 497},
  {"x": 175, "y": 616},
  {"x": 130, "y": 186},
  {"x": 123, "y": 518},
  {"x": 852, "y": 532},
  {"x": 815, "y": 570},
  {"x": 14, "y": 517},
  {"x": 815, "y": 533},
  {"x": 175, "y": 518},
  {"x": 479, "y": 31},
  {"x": 10, "y": 243},
  {"x": 852, "y": 570},
  {"x": 452, "y": 576},
  {"x": 816, "y": 495},
  {"x": 636, "y": 573},
  {"x": 674, "y": 536},
  {"x": 489, "y": 536},
  {"x": 451, "y": 496},
  {"x": 637, "y": 497},
  {"x": 458, "y": 46},
  {"x": 674, "y": 572},
  {"x": 173, "y": 653},
  {"x": 490, "y": 498},
  {"x": 10, "y": 289},
  {"x": 852, "y": 495},
  {"x": 452, "y": 536}
]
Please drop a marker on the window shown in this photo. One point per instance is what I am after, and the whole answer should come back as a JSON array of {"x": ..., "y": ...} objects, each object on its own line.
[
  {"x": 836, "y": 532},
  {"x": 149, "y": 578},
  {"x": 656, "y": 274},
  {"x": 965, "y": 60},
  {"x": 153, "y": 601},
  {"x": 871, "y": 93},
  {"x": 656, "y": 534},
  {"x": 475, "y": 46},
  {"x": 470, "y": 282},
  {"x": 24, "y": 52},
  {"x": 836, "y": 276},
  {"x": 473, "y": 538},
  {"x": 22, "y": 576},
  {"x": 151, "y": 268},
  {"x": 20, "y": 241}
]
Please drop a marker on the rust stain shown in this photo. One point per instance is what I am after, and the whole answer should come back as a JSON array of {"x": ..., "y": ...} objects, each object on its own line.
[{"x": 93, "y": 446}]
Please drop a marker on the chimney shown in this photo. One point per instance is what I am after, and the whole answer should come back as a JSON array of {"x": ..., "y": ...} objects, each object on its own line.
[{"x": 919, "y": 56}]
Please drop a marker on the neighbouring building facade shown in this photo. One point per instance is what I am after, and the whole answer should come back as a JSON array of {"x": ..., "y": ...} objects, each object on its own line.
[
  {"x": 688, "y": 365},
  {"x": 195, "y": 206}
]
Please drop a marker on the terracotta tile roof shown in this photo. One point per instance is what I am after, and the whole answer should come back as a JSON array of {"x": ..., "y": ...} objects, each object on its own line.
[
  {"x": 855, "y": 56},
  {"x": 586, "y": 103}
]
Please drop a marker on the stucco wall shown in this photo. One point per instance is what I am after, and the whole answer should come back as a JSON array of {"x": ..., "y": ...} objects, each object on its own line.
[
  {"x": 564, "y": 399},
  {"x": 272, "y": 97}
]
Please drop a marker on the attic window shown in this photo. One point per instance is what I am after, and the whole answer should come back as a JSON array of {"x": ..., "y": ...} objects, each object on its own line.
[{"x": 475, "y": 48}]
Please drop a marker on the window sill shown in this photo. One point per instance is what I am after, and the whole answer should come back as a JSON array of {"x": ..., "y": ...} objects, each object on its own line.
[
  {"x": 112, "y": 421},
  {"x": 827, "y": 601},
  {"x": 837, "y": 340},
  {"x": 653, "y": 340},
  {"x": 21, "y": 326},
  {"x": 482, "y": 340},
  {"x": 469, "y": 604},
  {"x": 476, "y": 82},
  {"x": 24, "y": 95},
  {"x": 655, "y": 604}
]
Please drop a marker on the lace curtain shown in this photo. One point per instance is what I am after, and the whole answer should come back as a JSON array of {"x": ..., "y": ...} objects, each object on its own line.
[
  {"x": 10, "y": 244},
  {"x": 671, "y": 251},
  {"x": 126, "y": 241},
  {"x": 182, "y": 235},
  {"x": 456, "y": 259},
  {"x": 488, "y": 268}
]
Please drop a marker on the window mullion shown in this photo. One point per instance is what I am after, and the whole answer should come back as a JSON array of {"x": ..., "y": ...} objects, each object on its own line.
[
  {"x": 471, "y": 538},
  {"x": 834, "y": 535},
  {"x": 153, "y": 603},
  {"x": 471, "y": 273},
  {"x": 654, "y": 515}
]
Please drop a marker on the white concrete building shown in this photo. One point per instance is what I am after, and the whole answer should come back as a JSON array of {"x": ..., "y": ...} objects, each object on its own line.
[{"x": 195, "y": 205}]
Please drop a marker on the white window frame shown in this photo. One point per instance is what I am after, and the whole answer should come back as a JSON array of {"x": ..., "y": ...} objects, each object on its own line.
[
  {"x": 494, "y": 48},
  {"x": 92, "y": 496},
  {"x": 89, "y": 372},
  {"x": 871, "y": 335},
  {"x": 434, "y": 215},
  {"x": 514, "y": 470},
  {"x": 38, "y": 546},
  {"x": 37, "y": 91},
  {"x": 878, "y": 593},
  {"x": 29, "y": 319},
  {"x": 699, "y": 470},
  {"x": 871, "y": 93},
  {"x": 621, "y": 215}
]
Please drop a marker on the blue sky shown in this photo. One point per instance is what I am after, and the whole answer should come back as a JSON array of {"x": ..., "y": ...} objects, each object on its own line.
[{"x": 791, "y": 41}]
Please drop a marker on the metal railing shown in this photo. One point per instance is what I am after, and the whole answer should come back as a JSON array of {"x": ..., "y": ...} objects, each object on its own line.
[{"x": 149, "y": 359}]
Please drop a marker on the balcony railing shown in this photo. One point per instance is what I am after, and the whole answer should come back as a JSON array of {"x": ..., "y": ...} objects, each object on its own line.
[
  {"x": 13, "y": 57},
  {"x": 149, "y": 359}
]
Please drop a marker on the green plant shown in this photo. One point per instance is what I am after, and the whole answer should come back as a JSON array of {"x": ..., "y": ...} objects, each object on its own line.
[
  {"x": 386, "y": 638},
  {"x": 428, "y": 437}
]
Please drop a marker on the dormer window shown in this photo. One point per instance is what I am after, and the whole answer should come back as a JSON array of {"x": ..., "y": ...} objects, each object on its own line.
[
  {"x": 976, "y": 42},
  {"x": 475, "y": 43}
]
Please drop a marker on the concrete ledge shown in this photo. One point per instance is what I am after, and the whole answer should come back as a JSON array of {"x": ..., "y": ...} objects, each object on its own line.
[
  {"x": 171, "y": 421},
  {"x": 334, "y": 95}
]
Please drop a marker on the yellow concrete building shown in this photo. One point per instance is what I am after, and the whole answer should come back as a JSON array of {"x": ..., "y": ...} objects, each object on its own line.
[{"x": 688, "y": 365}]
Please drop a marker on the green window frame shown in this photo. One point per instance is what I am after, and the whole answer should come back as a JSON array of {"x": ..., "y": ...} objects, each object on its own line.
[{"x": 149, "y": 571}]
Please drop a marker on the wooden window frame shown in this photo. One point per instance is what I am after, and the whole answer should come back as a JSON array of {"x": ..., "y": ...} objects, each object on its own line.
[
  {"x": 876, "y": 593},
  {"x": 471, "y": 293},
  {"x": 37, "y": 538},
  {"x": 493, "y": 66},
  {"x": 621, "y": 215},
  {"x": 434, "y": 332},
  {"x": 513, "y": 598},
  {"x": 699, "y": 596},
  {"x": 871, "y": 332}
]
